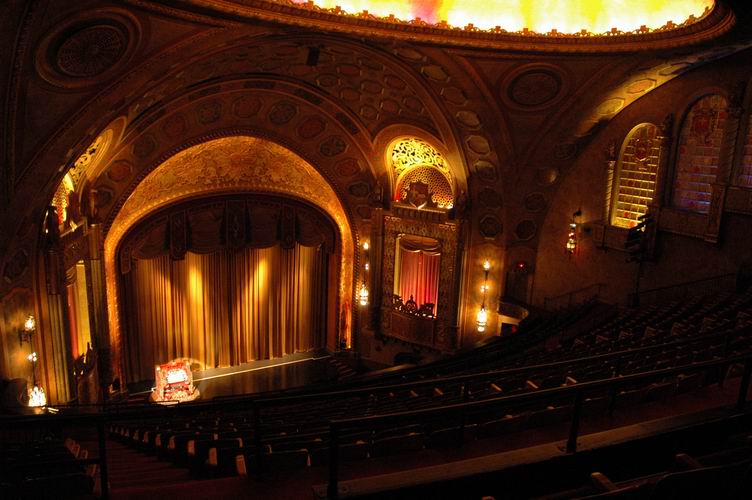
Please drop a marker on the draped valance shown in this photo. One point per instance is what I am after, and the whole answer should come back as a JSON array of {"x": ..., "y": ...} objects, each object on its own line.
[{"x": 234, "y": 222}]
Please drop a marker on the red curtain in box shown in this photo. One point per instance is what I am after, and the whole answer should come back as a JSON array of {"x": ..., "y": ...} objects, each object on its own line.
[{"x": 419, "y": 276}]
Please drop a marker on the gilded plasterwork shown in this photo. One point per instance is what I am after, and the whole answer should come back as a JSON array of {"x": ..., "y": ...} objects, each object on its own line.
[
  {"x": 229, "y": 164},
  {"x": 409, "y": 158},
  {"x": 580, "y": 17},
  {"x": 412, "y": 152}
]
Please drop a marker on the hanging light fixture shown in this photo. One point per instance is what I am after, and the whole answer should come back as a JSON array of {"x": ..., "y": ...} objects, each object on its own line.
[
  {"x": 571, "y": 246},
  {"x": 572, "y": 238},
  {"x": 363, "y": 292},
  {"x": 482, "y": 317}
]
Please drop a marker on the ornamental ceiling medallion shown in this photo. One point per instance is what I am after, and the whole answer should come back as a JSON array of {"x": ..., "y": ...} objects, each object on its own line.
[{"x": 88, "y": 48}]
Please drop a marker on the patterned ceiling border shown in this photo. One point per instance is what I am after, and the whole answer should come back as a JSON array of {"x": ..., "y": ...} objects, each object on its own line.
[{"x": 719, "y": 21}]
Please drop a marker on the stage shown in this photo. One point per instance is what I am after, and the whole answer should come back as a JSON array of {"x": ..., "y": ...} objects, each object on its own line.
[{"x": 288, "y": 372}]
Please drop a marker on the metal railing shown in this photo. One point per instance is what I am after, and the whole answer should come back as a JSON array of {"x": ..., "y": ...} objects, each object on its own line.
[
  {"x": 102, "y": 415},
  {"x": 573, "y": 298},
  {"x": 576, "y": 391},
  {"x": 706, "y": 286}
]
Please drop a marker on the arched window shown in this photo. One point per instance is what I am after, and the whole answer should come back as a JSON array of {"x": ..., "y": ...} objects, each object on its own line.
[
  {"x": 745, "y": 169},
  {"x": 699, "y": 149},
  {"x": 636, "y": 175},
  {"x": 416, "y": 162}
]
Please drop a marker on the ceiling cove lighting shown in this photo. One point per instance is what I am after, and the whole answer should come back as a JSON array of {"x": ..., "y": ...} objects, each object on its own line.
[{"x": 575, "y": 17}]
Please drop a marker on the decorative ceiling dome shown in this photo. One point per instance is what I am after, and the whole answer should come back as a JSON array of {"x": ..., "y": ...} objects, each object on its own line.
[
  {"x": 577, "y": 17},
  {"x": 526, "y": 25}
]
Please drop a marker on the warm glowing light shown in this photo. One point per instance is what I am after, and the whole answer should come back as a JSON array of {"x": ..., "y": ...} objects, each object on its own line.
[
  {"x": 363, "y": 295},
  {"x": 32, "y": 357},
  {"x": 174, "y": 382},
  {"x": 367, "y": 266},
  {"x": 572, "y": 238},
  {"x": 482, "y": 319},
  {"x": 30, "y": 324},
  {"x": 486, "y": 265},
  {"x": 564, "y": 16},
  {"x": 366, "y": 246},
  {"x": 37, "y": 396}
]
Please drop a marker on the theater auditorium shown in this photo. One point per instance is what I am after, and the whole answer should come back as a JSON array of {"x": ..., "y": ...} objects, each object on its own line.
[{"x": 375, "y": 249}]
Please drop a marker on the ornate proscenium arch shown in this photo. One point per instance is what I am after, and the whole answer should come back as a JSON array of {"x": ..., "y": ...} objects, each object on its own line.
[{"x": 229, "y": 165}]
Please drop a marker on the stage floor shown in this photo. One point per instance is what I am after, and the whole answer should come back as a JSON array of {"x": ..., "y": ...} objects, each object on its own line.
[{"x": 288, "y": 372}]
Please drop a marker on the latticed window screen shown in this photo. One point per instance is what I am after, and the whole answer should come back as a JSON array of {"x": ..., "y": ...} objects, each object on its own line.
[
  {"x": 699, "y": 149},
  {"x": 745, "y": 170},
  {"x": 636, "y": 176}
]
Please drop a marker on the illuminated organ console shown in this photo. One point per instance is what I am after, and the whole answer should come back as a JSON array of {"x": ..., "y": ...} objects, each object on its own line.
[{"x": 174, "y": 383}]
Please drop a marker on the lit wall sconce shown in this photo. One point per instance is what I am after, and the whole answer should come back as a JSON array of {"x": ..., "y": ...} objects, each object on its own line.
[
  {"x": 571, "y": 247},
  {"x": 363, "y": 294},
  {"x": 27, "y": 335},
  {"x": 482, "y": 317}
]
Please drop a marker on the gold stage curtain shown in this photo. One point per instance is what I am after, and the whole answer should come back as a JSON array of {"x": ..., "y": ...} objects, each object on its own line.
[{"x": 224, "y": 308}]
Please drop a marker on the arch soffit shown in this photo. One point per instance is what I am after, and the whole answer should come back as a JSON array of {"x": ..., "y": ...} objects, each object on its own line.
[
  {"x": 274, "y": 113},
  {"x": 386, "y": 139},
  {"x": 391, "y": 90},
  {"x": 207, "y": 168}
]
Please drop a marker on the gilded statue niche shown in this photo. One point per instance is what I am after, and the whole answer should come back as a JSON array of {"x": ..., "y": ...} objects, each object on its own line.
[{"x": 230, "y": 165}]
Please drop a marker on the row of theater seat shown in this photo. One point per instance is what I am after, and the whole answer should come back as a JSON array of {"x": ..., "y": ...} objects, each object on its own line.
[
  {"x": 45, "y": 468},
  {"x": 296, "y": 435},
  {"x": 724, "y": 472}
]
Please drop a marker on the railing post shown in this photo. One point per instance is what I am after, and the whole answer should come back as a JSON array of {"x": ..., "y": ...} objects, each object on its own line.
[
  {"x": 103, "y": 476},
  {"x": 332, "y": 491},
  {"x": 612, "y": 392},
  {"x": 741, "y": 401},
  {"x": 727, "y": 344},
  {"x": 257, "y": 437},
  {"x": 575, "y": 428},
  {"x": 617, "y": 368},
  {"x": 465, "y": 399}
]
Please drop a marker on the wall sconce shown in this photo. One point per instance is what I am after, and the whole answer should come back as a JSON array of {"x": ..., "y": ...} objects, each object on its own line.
[
  {"x": 363, "y": 292},
  {"x": 27, "y": 335},
  {"x": 571, "y": 247},
  {"x": 482, "y": 317}
]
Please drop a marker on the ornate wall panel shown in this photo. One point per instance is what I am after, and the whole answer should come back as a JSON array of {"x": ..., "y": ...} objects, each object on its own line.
[{"x": 447, "y": 234}]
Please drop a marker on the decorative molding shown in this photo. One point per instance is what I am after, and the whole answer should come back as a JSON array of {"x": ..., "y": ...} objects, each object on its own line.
[
  {"x": 448, "y": 236},
  {"x": 720, "y": 20},
  {"x": 89, "y": 48}
]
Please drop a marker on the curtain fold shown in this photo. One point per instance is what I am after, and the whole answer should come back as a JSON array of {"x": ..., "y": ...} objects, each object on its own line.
[
  {"x": 223, "y": 308},
  {"x": 419, "y": 276}
]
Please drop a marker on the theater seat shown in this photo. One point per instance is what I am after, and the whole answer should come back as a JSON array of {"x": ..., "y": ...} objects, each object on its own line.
[
  {"x": 347, "y": 452},
  {"x": 398, "y": 444},
  {"x": 510, "y": 423}
]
